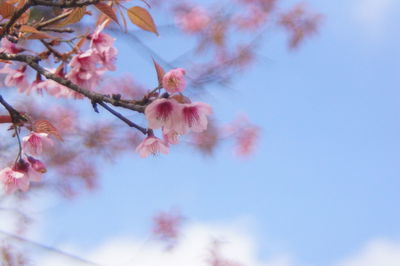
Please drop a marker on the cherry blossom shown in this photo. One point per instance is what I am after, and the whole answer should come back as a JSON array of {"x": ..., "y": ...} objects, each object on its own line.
[
  {"x": 13, "y": 180},
  {"x": 15, "y": 77},
  {"x": 174, "y": 80},
  {"x": 102, "y": 44},
  {"x": 193, "y": 117},
  {"x": 152, "y": 145},
  {"x": 83, "y": 70},
  {"x": 37, "y": 165},
  {"x": 162, "y": 112},
  {"x": 170, "y": 136},
  {"x": 34, "y": 143},
  {"x": 8, "y": 47}
]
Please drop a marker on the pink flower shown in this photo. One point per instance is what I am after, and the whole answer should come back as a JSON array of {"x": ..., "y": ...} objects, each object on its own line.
[
  {"x": 83, "y": 70},
  {"x": 101, "y": 41},
  {"x": 15, "y": 77},
  {"x": 174, "y": 80},
  {"x": 34, "y": 143},
  {"x": 253, "y": 20},
  {"x": 37, "y": 165},
  {"x": 193, "y": 117},
  {"x": 152, "y": 145},
  {"x": 13, "y": 180},
  {"x": 161, "y": 112},
  {"x": 194, "y": 20},
  {"x": 170, "y": 136},
  {"x": 166, "y": 225},
  {"x": 103, "y": 45},
  {"x": 246, "y": 141},
  {"x": 37, "y": 85},
  {"x": 8, "y": 47}
]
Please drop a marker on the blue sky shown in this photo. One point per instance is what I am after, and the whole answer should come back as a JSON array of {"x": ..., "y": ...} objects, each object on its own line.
[{"x": 324, "y": 180}]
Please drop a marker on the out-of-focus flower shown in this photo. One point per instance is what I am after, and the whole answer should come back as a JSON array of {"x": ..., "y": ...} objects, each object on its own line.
[
  {"x": 8, "y": 47},
  {"x": 15, "y": 77},
  {"x": 246, "y": 140},
  {"x": 174, "y": 80},
  {"x": 166, "y": 226},
  {"x": 194, "y": 20},
  {"x": 152, "y": 145},
  {"x": 254, "y": 18},
  {"x": 34, "y": 143},
  {"x": 13, "y": 180}
]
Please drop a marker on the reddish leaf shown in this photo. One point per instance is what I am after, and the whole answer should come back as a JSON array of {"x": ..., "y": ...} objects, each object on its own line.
[
  {"x": 160, "y": 72},
  {"x": 6, "y": 9},
  {"x": 75, "y": 16},
  {"x": 108, "y": 11},
  {"x": 44, "y": 126},
  {"x": 30, "y": 29},
  {"x": 142, "y": 18}
]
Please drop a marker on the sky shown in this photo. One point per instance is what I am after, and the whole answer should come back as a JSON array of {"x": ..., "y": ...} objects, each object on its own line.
[{"x": 321, "y": 189}]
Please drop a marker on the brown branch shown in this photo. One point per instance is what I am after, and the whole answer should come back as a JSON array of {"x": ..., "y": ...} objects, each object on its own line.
[
  {"x": 16, "y": 117},
  {"x": 52, "y": 50},
  {"x": 33, "y": 62},
  {"x": 64, "y": 4},
  {"x": 66, "y": 30}
]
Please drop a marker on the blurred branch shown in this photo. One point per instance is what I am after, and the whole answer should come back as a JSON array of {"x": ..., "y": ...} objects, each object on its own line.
[{"x": 48, "y": 248}]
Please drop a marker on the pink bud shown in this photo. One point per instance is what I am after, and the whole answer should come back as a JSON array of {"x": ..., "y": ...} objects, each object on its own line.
[{"x": 37, "y": 165}]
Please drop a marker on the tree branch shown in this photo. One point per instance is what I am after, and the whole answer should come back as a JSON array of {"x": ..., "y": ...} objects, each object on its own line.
[
  {"x": 64, "y": 4},
  {"x": 48, "y": 248},
  {"x": 123, "y": 118},
  {"x": 16, "y": 116},
  {"x": 33, "y": 62}
]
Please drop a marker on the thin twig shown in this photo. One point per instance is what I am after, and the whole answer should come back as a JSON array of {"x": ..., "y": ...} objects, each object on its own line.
[
  {"x": 66, "y": 30},
  {"x": 123, "y": 118},
  {"x": 52, "y": 50},
  {"x": 48, "y": 248}
]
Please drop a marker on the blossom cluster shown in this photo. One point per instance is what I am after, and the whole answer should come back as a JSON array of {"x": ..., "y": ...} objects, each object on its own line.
[
  {"x": 26, "y": 168},
  {"x": 174, "y": 114},
  {"x": 86, "y": 68}
]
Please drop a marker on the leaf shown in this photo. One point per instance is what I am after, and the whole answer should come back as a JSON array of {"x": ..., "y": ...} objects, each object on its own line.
[
  {"x": 40, "y": 35},
  {"x": 6, "y": 9},
  {"x": 29, "y": 29},
  {"x": 75, "y": 16},
  {"x": 142, "y": 18},
  {"x": 108, "y": 11},
  {"x": 160, "y": 72},
  {"x": 44, "y": 126}
]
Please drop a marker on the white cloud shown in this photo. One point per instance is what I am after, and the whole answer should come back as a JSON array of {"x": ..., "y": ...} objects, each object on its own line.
[
  {"x": 193, "y": 250},
  {"x": 375, "y": 253}
]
